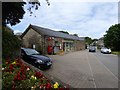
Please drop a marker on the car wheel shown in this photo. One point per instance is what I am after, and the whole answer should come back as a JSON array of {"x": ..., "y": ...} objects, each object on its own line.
[{"x": 38, "y": 66}]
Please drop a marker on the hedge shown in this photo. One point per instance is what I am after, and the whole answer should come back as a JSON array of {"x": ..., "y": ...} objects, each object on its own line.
[{"x": 10, "y": 45}]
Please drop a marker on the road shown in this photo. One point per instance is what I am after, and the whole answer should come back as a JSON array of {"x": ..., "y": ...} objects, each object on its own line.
[
  {"x": 110, "y": 61},
  {"x": 83, "y": 69}
]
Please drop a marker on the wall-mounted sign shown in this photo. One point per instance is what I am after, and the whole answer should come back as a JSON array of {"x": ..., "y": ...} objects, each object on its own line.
[{"x": 34, "y": 46}]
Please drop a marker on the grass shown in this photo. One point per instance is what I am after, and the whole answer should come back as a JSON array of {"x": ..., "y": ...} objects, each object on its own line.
[{"x": 116, "y": 52}]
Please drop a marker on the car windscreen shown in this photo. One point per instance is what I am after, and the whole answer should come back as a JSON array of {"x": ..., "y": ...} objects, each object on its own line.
[
  {"x": 92, "y": 47},
  {"x": 104, "y": 48},
  {"x": 31, "y": 51}
]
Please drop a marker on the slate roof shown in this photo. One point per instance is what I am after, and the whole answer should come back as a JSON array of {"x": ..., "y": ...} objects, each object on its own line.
[{"x": 49, "y": 32}]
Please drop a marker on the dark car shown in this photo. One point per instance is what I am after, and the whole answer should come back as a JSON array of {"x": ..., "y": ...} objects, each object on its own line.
[
  {"x": 92, "y": 49},
  {"x": 33, "y": 57}
]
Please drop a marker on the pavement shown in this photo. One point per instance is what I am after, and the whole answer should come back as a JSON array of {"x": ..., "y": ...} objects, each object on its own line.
[{"x": 83, "y": 69}]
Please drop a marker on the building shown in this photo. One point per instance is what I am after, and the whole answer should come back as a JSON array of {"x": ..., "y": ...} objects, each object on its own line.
[
  {"x": 48, "y": 41},
  {"x": 100, "y": 42}
]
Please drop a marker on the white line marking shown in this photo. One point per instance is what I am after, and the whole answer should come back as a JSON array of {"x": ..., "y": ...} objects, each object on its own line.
[
  {"x": 91, "y": 71},
  {"x": 105, "y": 67}
]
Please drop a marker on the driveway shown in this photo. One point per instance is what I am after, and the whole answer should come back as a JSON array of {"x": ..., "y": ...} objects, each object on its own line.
[{"x": 83, "y": 69}]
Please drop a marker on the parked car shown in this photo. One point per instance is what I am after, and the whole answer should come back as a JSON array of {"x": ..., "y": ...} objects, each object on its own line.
[
  {"x": 105, "y": 50},
  {"x": 92, "y": 49},
  {"x": 33, "y": 57}
]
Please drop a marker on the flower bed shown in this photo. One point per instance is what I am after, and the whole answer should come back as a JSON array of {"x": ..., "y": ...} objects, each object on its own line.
[{"x": 18, "y": 75}]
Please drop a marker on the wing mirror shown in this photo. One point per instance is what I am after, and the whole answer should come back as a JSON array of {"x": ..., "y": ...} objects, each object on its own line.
[{"x": 22, "y": 54}]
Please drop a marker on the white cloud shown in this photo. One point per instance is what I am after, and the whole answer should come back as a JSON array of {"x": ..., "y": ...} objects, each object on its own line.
[
  {"x": 84, "y": 0},
  {"x": 84, "y": 18},
  {"x": 17, "y": 31}
]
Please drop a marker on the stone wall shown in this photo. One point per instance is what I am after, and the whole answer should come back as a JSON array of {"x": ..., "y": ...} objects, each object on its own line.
[
  {"x": 79, "y": 45},
  {"x": 33, "y": 38},
  {"x": 41, "y": 42}
]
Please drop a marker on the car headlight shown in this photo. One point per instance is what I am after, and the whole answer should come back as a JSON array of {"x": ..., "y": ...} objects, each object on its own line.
[
  {"x": 39, "y": 61},
  {"x": 109, "y": 50}
]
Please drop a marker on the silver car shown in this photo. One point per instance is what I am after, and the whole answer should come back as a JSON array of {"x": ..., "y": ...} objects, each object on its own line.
[
  {"x": 105, "y": 50},
  {"x": 92, "y": 49}
]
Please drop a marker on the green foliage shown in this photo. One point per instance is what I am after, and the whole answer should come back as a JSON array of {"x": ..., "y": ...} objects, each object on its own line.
[
  {"x": 112, "y": 38},
  {"x": 64, "y": 32},
  {"x": 88, "y": 40},
  {"x": 75, "y": 35},
  {"x": 116, "y": 52},
  {"x": 95, "y": 40},
  {"x": 10, "y": 45},
  {"x": 12, "y": 12}
]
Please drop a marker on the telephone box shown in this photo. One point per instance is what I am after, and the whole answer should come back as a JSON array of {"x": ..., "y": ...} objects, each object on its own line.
[{"x": 49, "y": 49}]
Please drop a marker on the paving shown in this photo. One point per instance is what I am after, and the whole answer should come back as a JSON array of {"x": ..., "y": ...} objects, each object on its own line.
[{"x": 82, "y": 69}]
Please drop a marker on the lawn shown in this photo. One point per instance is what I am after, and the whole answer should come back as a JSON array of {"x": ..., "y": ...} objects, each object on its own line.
[{"x": 116, "y": 52}]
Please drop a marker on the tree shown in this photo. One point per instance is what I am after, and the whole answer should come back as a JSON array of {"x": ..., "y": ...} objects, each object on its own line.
[
  {"x": 75, "y": 35},
  {"x": 64, "y": 32},
  {"x": 95, "y": 40},
  {"x": 88, "y": 40},
  {"x": 112, "y": 38},
  {"x": 12, "y": 12}
]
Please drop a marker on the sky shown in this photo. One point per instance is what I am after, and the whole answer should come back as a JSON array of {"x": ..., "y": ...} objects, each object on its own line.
[{"x": 88, "y": 18}]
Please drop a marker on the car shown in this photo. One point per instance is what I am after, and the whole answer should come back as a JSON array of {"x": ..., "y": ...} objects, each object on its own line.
[
  {"x": 33, "y": 57},
  {"x": 92, "y": 49},
  {"x": 105, "y": 50}
]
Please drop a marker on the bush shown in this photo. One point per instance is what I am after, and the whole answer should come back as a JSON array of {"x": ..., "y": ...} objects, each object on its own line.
[{"x": 10, "y": 45}]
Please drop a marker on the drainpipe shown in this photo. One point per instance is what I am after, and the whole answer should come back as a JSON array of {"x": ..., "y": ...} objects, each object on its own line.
[
  {"x": 65, "y": 47},
  {"x": 44, "y": 45}
]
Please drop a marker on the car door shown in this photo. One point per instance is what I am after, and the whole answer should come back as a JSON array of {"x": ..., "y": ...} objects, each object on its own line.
[{"x": 25, "y": 57}]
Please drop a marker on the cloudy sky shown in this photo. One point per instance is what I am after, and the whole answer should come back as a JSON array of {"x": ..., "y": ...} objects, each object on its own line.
[{"x": 88, "y": 18}]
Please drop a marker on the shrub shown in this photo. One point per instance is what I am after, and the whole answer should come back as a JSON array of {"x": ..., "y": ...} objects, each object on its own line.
[{"x": 10, "y": 45}]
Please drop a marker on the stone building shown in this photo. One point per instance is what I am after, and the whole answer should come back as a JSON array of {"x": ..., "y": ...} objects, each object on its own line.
[
  {"x": 48, "y": 41},
  {"x": 100, "y": 42}
]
